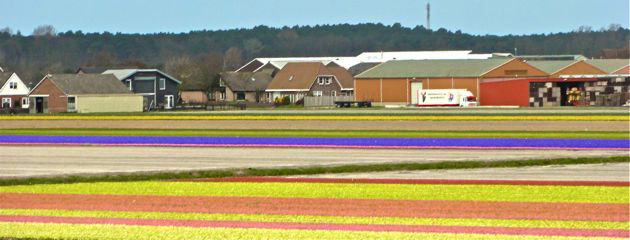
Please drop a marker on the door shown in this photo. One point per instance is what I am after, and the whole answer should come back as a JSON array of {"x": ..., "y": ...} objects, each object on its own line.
[
  {"x": 39, "y": 105},
  {"x": 169, "y": 102},
  {"x": 416, "y": 87}
]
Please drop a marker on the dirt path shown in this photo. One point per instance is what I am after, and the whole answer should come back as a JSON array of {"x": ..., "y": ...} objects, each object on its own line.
[
  {"x": 16, "y": 161},
  {"x": 330, "y": 125},
  {"x": 588, "y": 172}
]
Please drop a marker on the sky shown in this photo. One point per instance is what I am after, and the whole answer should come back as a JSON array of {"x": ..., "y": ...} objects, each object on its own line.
[{"x": 479, "y": 17}]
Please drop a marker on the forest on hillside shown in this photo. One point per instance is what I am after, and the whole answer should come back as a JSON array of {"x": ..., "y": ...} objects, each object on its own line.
[{"x": 198, "y": 56}]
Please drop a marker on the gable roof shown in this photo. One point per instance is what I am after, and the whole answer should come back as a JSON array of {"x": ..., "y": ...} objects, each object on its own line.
[
  {"x": 558, "y": 57},
  {"x": 296, "y": 76},
  {"x": 552, "y": 66},
  {"x": 609, "y": 65},
  {"x": 361, "y": 67},
  {"x": 246, "y": 81},
  {"x": 78, "y": 84},
  {"x": 346, "y": 80},
  {"x": 4, "y": 77},
  {"x": 122, "y": 74},
  {"x": 301, "y": 76},
  {"x": 434, "y": 68}
]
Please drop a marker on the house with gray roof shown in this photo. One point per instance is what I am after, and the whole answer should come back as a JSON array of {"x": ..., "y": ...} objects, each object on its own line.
[
  {"x": 160, "y": 90},
  {"x": 83, "y": 93},
  {"x": 244, "y": 86}
]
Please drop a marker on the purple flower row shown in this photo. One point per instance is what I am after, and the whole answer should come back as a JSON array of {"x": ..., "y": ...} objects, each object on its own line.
[{"x": 326, "y": 142}]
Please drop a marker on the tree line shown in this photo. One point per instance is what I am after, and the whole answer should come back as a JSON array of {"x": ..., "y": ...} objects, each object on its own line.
[{"x": 197, "y": 57}]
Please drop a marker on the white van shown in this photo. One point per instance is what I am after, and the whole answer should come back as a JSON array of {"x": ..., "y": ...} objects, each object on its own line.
[{"x": 446, "y": 98}]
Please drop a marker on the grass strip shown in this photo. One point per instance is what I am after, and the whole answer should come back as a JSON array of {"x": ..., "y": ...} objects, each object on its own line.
[
  {"x": 311, "y": 170},
  {"x": 327, "y": 118},
  {"x": 318, "y": 133},
  {"x": 493, "y": 193},
  {"x": 111, "y": 232},
  {"x": 321, "y": 219}
]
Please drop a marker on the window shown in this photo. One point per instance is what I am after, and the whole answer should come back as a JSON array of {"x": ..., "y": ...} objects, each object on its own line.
[
  {"x": 221, "y": 83},
  {"x": 162, "y": 83},
  {"x": 6, "y": 102},
  {"x": 324, "y": 80},
  {"x": 333, "y": 93},
  {"x": 129, "y": 84},
  {"x": 24, "y": 102},
  {"x": 318, "y": 93},
  {"x": 13, "y": 85},
  {"x": 72, "y": 106}
]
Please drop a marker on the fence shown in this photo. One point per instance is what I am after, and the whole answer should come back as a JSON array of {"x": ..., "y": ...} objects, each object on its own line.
[{"x": 324, "y": 101}]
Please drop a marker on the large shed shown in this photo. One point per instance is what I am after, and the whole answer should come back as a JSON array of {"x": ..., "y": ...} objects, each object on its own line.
[
  {"x": 83, "y": 93},
  {"x": 398, "y": 82}
]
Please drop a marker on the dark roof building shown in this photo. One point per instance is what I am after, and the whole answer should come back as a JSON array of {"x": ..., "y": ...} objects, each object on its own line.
[
  {"x": 246, "y": 81},
  {"x": 361, "y": 67}
]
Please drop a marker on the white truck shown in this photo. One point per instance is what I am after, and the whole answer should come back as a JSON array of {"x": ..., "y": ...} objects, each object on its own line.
[{"x": 446, "y": 98}]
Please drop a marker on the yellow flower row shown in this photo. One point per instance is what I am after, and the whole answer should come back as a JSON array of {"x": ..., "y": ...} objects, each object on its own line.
[
  {"x": 501, "y": 193},
  {"x": 111, "y": 232},
  {"x": 462, "y": 222},
  {"x": 324, "y": 118}
]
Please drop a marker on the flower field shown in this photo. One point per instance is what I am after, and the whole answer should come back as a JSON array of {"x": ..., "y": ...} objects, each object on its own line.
[
  {"x": 328, "y": 117},
  {"x": 392, "y": 143},
  {"x": 284, "y": 208}
]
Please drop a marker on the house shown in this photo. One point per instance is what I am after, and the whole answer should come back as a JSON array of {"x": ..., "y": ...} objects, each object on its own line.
[
  {"x": 158, "y": 88},
  {"x": 566, "y": 67},
  {"x": 297, "y": 80},
  {"x": 398, "y": 82},
  {"x": 244, "y": 86},
  {"x": 83, "y": 93},
  {"x": 13, "y": 92},
  {"x": 192, "y": 96}
]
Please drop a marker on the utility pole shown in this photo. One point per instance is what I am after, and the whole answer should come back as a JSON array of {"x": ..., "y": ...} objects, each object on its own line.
[{"x": 428, "y": 15}]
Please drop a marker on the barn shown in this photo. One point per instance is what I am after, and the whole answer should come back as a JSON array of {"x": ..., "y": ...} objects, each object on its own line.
[{"x": 398, "y": 82}]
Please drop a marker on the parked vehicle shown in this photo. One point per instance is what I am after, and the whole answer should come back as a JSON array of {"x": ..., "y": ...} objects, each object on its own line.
[{"x": 446, "y": 98}]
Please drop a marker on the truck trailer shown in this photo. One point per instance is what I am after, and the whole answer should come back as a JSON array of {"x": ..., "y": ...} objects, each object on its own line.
[{"x": 446, "y": 98}]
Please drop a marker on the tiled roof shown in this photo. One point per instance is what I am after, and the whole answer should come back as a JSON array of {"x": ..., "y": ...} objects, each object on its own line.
[{"x": 77, "y": 84}]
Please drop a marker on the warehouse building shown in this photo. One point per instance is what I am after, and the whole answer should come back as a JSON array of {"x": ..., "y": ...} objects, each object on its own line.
[
  {"x": 398, "y": 82},
  {"x": 557, "y": 68},
  {"x": 568, "y": 90},
  {"x": 594, "y": 82}
]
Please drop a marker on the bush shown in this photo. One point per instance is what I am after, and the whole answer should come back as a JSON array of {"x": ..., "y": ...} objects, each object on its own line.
[{"x": 300, "y": 102}]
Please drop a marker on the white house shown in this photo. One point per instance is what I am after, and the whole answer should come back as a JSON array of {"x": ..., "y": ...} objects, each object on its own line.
[{"x": 13, "y": 92}]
